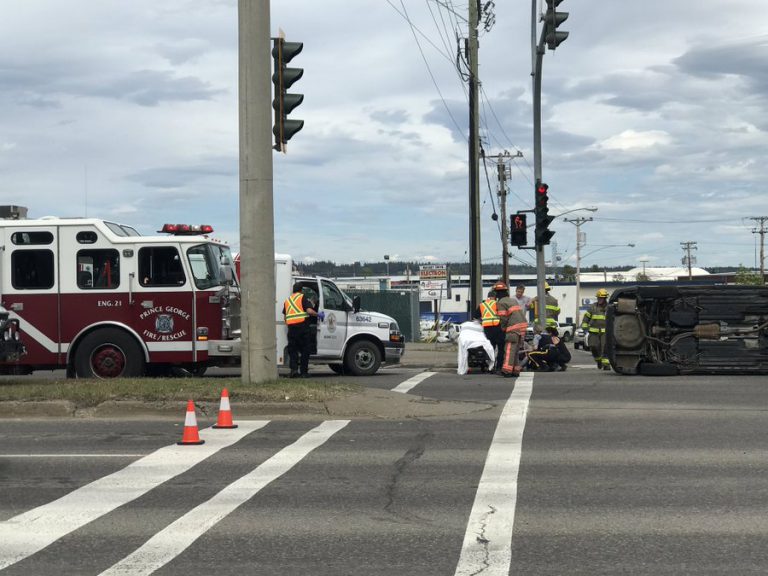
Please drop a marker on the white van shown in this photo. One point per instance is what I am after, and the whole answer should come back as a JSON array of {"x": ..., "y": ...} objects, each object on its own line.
[{"x": 350, "y": 340}]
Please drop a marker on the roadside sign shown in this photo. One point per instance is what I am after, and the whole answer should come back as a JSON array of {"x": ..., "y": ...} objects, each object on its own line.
[{"x": 434, "y": 282}]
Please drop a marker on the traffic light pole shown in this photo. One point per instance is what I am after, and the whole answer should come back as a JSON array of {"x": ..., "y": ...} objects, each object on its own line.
[{"x": 541, "y": 271}]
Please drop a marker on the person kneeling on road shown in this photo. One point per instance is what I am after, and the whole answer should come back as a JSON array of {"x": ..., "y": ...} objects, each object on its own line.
[{"x": 551, "y": 353}]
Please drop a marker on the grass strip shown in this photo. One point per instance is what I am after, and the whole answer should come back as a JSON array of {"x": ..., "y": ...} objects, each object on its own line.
[{"x": 92, "y": 392}]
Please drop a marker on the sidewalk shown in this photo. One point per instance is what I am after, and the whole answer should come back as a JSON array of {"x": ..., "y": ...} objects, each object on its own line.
[{"x": 433, "y": 356}]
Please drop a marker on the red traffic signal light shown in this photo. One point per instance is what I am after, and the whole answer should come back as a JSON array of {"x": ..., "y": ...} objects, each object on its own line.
[{"x": 543, "y": 219}]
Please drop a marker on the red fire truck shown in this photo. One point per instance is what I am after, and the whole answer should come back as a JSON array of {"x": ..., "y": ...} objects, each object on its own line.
[{"x": 101, "y": 300}]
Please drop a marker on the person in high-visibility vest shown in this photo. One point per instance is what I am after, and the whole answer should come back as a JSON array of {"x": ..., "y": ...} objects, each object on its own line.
[
  {"x": 594, "y": 323},
  {"x": 297, "y": 310},
  {"x": 514, "y": 325},
  {"x": 490, "y": 320},
  {"x": 553, "y": 308}
]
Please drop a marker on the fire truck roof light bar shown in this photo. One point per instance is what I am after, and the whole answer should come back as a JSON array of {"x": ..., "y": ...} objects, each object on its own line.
[{"x": 186, "y": 229}]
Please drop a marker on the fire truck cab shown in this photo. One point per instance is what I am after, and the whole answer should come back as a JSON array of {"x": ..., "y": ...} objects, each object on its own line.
[{"x": 101, "y": 300}]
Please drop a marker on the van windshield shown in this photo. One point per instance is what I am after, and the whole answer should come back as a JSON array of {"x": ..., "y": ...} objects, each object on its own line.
[{"x": 205, "y": 261}]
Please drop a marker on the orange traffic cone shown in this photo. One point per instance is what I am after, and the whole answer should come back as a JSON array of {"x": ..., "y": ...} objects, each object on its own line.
[
  {"x": 190, "y": 435},
  {"x": 225, "y": 412}
]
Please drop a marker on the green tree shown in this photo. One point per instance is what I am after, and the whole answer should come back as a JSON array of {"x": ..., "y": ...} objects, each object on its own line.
[{"x": 744, "y": 276}]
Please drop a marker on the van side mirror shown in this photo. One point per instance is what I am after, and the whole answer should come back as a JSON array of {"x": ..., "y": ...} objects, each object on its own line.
[
  {"x": 356, "y": 304},
  {"x": 225, "y": 274}
]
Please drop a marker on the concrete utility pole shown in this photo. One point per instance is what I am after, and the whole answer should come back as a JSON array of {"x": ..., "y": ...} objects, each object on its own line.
[
  {"x": 475, "y": 264},
  {"x": 761, "y": 220},
  {"x": 579, "y": 244},
  {"x": 257, "y": 237},
  {"x": 688, "y": 259}
]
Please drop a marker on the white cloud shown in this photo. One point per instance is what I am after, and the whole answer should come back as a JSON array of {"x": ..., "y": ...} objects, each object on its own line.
[
  {"x": 132, "y": 109},
  {"x": 630, "y": 140}
]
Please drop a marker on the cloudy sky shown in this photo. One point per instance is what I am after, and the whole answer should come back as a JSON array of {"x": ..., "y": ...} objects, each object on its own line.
[{"x": 654, "y": 112}]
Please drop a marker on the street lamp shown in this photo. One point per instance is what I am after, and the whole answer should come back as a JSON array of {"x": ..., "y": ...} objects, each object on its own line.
[{"x": 604, "y": 246}]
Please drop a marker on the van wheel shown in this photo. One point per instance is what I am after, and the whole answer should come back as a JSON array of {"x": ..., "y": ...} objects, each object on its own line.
[
  {"x": 567, "y": 337},
  {"x": 108, "y": 353},
  {"x": 338, "y": 368},
  {"x": 362, "y": 358}
]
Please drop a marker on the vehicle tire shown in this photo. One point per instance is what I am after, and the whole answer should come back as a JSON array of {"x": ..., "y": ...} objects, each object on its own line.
[
  {"x": 661, "y": 369},
  {"x": 109, "y": 353},
  {"x": 338, "y": 368},
  {"x": 566, "y": 337},
  {"x": 362, "y": 358},
  {"x": 576, "y": 345}
]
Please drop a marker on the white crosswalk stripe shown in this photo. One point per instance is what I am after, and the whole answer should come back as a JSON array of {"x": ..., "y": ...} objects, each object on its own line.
[
  {"x": 487, "y": 546},
  {"x": 173, "y": 540},
  {"x": 31, "y": 531}
]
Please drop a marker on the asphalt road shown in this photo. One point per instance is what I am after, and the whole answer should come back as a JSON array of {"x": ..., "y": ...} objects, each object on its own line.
[{"x": 617, "y": 475}]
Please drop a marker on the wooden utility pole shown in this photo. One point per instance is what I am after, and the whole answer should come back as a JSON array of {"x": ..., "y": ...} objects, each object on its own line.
[
  {"x": 257, "y": 237},
  {"x": 475, "y": 263},
  {"x": 688, "y": 259},
  {"x": 580, "y": 242},
  {"x": 502, "y": 174},
  {"x": 761, "y": 220}
]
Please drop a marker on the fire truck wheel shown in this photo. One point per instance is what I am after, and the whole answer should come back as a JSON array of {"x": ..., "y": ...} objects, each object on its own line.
[
  {"x": 362, "y": 358},
  {"x": 108, "y": 353}
]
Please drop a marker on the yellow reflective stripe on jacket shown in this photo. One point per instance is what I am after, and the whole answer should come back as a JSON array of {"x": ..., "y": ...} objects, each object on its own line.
[
  {"x": 294, "y": 312},
  {"x": 488, "y": 313},
  {"x": 596, "y": 330}
]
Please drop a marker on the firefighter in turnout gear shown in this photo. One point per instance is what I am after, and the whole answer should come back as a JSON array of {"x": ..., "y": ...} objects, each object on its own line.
[
  {"x": 513, "y": 324},
  {"x": 594, "y": 323},
  {"x": 297, "y": 309},
  {"x": 553, "y": 308},
  {"x": 491, "y": 326}
]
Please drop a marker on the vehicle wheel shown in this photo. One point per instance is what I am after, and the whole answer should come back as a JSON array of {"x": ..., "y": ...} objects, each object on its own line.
[
  {"x": 108, "y": 353},
  {"x": 338, "y": 368},
  {"x": 576, "y": 345},
  {"x": 567, "y": 337},
  {"x": 362, "y": 358}
]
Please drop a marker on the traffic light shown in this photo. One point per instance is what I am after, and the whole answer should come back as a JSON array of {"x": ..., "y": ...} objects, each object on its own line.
[
  {"x": 519, "y": 229},
  {"x": 543, "y": 219},
  {"x": 553, "y": 19},
  {"x": 282, "y": 79}
]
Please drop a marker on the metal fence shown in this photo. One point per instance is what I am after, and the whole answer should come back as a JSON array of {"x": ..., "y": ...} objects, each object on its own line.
[{"x": 401, "y": 304}]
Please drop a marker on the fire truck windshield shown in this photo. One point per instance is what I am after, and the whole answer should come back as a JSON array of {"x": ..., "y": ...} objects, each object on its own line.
[{"x": 206, "y": 260}]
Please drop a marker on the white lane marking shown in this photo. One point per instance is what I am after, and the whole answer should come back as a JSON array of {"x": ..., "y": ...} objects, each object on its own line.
[
  {"x": 71, "y": 455},
  {"x": 31, "y": 531},
  {"x": 411, "y": 382},
  {"x": 178, "y": 536},
  {"x": 487, "y": 546}
]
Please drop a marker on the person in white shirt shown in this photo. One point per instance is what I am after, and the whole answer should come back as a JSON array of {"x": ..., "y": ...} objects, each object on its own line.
[{"x": 522, "y": 299}]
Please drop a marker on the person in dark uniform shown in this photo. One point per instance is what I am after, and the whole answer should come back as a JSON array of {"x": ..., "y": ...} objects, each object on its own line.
[{"x": 297, "y": 310}]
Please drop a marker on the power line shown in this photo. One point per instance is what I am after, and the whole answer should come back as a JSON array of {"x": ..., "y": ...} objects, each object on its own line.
[{"x": 426, "y": 63}]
